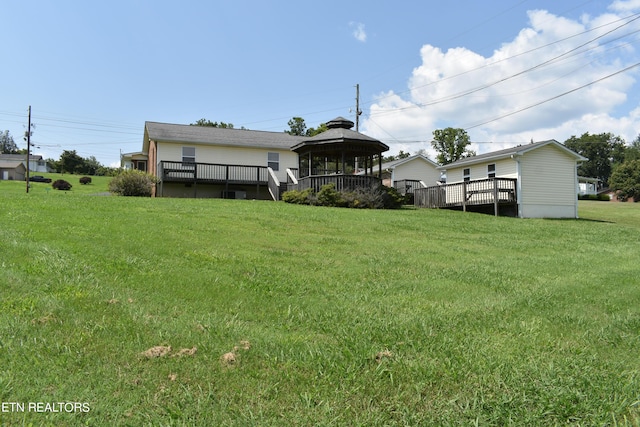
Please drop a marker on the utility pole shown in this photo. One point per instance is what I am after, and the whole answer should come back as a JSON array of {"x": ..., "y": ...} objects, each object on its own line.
[
  {"x": 28, "y": 135},
  {"x": 358, "y": 112}
]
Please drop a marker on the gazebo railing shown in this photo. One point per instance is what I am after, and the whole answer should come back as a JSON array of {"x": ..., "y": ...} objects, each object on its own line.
[{"x": 341, "y": 182}]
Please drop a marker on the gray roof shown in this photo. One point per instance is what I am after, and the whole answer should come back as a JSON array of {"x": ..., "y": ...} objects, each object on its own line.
[
  {"x": 167, "y": 132},
  {"x": 508, "y": 152},
  {"x": 392, "y": 164},
  {"x": 10, "y": 164},
  {"x": 339, "y": 132}
]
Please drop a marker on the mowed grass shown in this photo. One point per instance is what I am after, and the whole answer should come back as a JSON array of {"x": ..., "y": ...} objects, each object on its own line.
[{"x": 334, "y": 316}]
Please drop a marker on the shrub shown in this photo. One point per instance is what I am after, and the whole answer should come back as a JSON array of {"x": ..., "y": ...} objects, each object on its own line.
[
  {"x": 85, "y": 180},
  {"x": 133, "y": 183},
  {"x": 304, "y": 197},
  {"x": 61, "y": 184},
  {"x": 360, "y": 198},
  {"x": 329, "y": 196}
]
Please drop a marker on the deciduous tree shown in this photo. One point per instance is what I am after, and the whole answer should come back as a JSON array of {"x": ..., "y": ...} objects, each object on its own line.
[
  {"x": 7, "y": 144},
  {"x": 603, "y": 150},
  {"x": 451, "y": 145},
  {"x": 625, "y": 179}
]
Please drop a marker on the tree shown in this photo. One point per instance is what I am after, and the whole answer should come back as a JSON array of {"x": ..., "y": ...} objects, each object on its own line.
[
  {"x": 209, "y": 123},
  {"x": 451, "y": 145},
  {"x": 298, "y": 127},
  {"x": 7, "y": 144},
  {"x": 603, "y": 150},
  {"x": 625, "y": 179},
  {"x": 633, "y": 151},
  {"x": 70, "y": 162}
]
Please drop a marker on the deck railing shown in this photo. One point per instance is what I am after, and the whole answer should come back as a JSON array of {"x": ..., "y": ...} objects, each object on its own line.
[
  {"x": 491, "y": 191},
  {"x": 407, "y": 186},
  {"x": 211, "y": 172},
  {"x": 341, "y": 182}
]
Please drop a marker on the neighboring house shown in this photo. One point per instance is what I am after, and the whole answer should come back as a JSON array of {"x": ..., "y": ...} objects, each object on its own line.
[
  {"x": 137, "y": 161},
  {"x": 412, "y": 172},
  {"x": 588, "y": 186},
  {"x": 12, "y": 170},
  {"x": 36, "y": 162},
  {"x": 537, "y": 180}
]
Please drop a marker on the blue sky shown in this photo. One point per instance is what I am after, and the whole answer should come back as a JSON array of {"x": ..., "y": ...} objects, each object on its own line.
[{"x": 508, "y": 71}]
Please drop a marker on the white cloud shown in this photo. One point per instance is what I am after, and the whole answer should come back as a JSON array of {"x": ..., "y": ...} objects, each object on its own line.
[
  {"x": 494, "y": 97},
  {"x": 358, "y": 31},
  {"x": 625, "y": 5}
]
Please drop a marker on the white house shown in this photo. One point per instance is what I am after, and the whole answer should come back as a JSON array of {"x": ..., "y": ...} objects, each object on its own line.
[
  {"x": 409, "y": 173},
  {"x": 537, "y": 180}
]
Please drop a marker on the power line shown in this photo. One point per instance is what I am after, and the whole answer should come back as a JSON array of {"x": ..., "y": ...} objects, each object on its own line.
[{"x": 554, "y": 97}]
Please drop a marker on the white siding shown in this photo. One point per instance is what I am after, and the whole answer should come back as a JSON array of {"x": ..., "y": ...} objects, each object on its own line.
[
  {"x": 548, "y": 182},
  {"x": 230, "y": 156},
  {"x": 505, "y": 168},
  {"x": 417, "y": 169}
]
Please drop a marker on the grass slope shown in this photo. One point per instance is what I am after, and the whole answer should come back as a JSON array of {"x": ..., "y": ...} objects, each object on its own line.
[{"x": 331, "y": 316}]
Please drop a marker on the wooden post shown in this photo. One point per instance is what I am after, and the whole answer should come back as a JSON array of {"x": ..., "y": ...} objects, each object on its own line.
[
  {"x": 464, "y": 196},
  {"x": 226, "y": 182},
  {"x": 495, "y": 197}
]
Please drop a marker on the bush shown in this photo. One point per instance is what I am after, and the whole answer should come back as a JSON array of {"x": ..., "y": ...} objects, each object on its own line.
[
  {"x": 85, "y": 180},
  {"x": 61, "y": 184},
  {"x": 133, "y": 183},
  {"x": 304, "y": 197},
  {"x": 329, "y": 196},
  {"x": 360, "y": 198}
]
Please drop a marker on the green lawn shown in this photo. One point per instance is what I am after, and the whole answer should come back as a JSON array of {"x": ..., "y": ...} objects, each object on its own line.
[{"x": 314, "y": 316}]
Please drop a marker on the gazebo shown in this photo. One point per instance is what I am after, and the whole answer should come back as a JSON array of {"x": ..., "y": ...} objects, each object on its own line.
[{"x": 340, "y": 156}]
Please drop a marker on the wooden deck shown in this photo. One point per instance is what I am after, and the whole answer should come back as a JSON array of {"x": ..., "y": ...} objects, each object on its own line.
[
  {"x": 471, "y": 195},
  {"x": 212, "y": 173}
]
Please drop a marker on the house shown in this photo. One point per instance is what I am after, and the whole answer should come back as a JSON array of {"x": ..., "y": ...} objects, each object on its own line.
[
  {"x": 537, "y": 180},
  {"x": 36, "y": 162},
  {"x": 588, "y": 186},
  {"x": 412, "y": 172},
  {"x": 202, "y": 161},
  {"x": 12, "y": 170}
]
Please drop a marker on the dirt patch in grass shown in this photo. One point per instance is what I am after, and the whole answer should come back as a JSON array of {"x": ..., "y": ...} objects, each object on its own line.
[
  {"x": 382, "y": 355},
  {"x": 232, "y": 358},
  {"x": 185, "y": 352},
  {"x": 157, "y": 351}
]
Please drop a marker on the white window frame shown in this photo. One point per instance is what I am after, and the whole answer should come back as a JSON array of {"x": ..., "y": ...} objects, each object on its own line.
[
  {"x": 491, "y": 170},
  {"x": 186, "y": 154},
  {"x": 273, "y": 160}
]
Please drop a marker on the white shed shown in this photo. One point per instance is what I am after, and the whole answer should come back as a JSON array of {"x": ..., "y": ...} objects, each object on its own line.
[{"x": 544, "y": 175}]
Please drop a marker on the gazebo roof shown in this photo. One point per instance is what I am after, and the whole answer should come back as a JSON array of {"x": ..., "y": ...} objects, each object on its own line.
[{"x": 339, "y": 137}]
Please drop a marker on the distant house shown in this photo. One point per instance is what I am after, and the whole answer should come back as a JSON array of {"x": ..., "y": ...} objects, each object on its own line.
[
  {"x": 537, "y": 180},
  {"x": 412, "y": 172},
  {"x": 202, "y": 161},
  {"x": 36, "y": 162},
  {"x": 588, "y": 186},
  {"x": 12, "y": 170}
]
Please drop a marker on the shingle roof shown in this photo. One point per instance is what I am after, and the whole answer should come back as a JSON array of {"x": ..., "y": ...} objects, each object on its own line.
[
  {"x": 518, "y": 150},
  {"x": 392, "y": 164},
  {"x": 219, "y": 136}
]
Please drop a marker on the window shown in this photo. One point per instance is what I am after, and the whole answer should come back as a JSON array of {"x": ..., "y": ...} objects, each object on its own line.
[
  {"x": 188, "y": 154},
  {"x": 273, "y": 161},
  {"x": 466, "y": 174},
  {"x": 491, "y": 170}
]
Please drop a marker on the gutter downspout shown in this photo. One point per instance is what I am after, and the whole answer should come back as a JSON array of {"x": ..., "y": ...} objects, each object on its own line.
[{"x": 516, "y": 157}]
